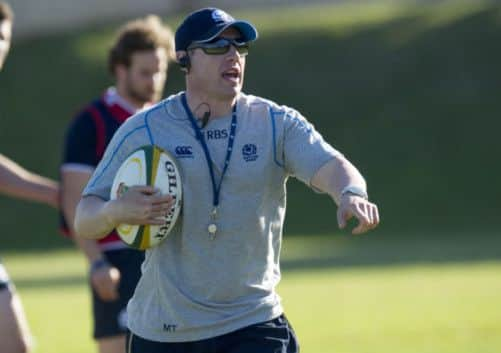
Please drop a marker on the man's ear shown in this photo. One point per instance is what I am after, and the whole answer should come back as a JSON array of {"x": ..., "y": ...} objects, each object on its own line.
[
  {"x": 120, "y": 72},
  {"x": 183, "y": 60}
]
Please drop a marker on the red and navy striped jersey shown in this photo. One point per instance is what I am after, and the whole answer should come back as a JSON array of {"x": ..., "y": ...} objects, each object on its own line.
[{"x": 86, "y": 139}]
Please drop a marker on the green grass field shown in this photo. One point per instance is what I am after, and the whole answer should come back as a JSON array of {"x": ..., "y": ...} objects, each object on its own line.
[{"x": 343, "y": 294}]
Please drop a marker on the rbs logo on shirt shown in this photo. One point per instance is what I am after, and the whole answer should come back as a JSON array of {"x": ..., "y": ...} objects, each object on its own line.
[{"x": 216, "y": 134}]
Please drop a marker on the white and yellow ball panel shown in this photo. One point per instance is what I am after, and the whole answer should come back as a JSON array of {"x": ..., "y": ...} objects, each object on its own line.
[{"x": 149, "y": 165}]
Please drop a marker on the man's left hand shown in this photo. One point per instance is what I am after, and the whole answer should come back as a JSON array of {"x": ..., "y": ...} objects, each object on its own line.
[{"x": 355, "y": 206}]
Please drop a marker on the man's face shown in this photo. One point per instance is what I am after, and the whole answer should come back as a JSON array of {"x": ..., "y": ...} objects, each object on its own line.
[
  {"x": 5, "y": 38},
  {"x": 219, "y": 76},
  {"x": 144, "y": 80}
]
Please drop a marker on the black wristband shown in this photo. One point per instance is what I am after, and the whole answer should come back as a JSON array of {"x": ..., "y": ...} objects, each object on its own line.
[{"x": 98, "y": 264}]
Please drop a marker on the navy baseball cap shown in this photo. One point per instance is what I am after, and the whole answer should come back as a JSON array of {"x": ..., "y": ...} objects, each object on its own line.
[{"x": 206, "y": 24}]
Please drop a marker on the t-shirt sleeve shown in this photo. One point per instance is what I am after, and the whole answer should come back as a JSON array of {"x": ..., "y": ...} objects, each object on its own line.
[
  {"x": 305, "y": 150},
  {"x": 80, "y": 141},
  {"x": 130, "y": 136}
]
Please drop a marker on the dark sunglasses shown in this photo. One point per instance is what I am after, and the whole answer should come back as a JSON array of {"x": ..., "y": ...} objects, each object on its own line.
[{"x": 221, "y": 46}]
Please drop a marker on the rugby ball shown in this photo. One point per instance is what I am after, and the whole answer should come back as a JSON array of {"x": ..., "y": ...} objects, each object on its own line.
[{"x": 149, "y": 165}]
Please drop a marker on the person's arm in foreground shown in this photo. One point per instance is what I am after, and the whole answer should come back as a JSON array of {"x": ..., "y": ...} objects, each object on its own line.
[
  {"x": 333, "y": 178},
  {"x": 17, "y": 182}
]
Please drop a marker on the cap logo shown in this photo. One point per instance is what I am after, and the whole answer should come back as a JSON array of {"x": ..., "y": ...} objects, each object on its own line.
[{"x": 221, "y": 16}]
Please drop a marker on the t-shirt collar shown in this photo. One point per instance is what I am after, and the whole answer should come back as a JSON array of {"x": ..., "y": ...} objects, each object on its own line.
[{"x": 111, "y": 97}]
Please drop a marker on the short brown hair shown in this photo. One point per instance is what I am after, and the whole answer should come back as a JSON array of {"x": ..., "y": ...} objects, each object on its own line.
[
  {"x": 148, "y": 33},
  {"x": 6, "y": 12}
]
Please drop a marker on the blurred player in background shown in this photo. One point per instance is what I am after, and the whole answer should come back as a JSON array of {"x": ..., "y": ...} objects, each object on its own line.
[
  {"x": 138, "y": 62},
  {"x": 17, "y": 182}
]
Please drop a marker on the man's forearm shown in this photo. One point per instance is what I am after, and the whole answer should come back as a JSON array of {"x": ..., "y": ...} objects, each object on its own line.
[
  {"x": 335, "y": 175},
  {"x": 17, "y": 182},
  {"x": 34, "y": 188},
  {"x": 73, "y": 182},
  {"x": 92, "y": 218}
]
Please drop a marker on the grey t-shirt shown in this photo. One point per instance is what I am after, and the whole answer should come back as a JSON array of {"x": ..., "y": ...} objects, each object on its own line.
[{"x": 194, "y": 287}]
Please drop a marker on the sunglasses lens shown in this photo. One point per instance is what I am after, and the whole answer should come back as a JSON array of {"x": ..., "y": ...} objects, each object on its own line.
[
  {"x": 222, "y": 46},
  {"x": 243, "y": 49},
  {"x": 216, "y": 50}
]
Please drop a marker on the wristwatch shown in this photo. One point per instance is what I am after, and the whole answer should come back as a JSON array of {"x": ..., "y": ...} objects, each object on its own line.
[{"x": 355, "y": 190}]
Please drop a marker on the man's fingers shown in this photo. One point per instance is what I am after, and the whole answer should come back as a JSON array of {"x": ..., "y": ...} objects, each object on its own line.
[
  {"x": 360, "y": 229},
  {"x": 368, "y": 217},
  {"x": 369, "y": 214},
  {"x": 160, "y": 199},
  {"x": 375, "y": 215},
  {"x": 159, "y": 211},
  {"x": 363, "y": 219},
  {"x": 361, "y": 213},
  {"x": 162, "y": 208},
  {"x": 157, "y": 214},
  {"x": 144, "y": 189},
  {"x": 364, "y": 211},
  {"x": 359, "y": 210},
  {"x": 144, "y": 205},
  {"x": 156, "y": 206},
  {"x": 341, "y": 218},
  {"x": 153, "y": 194},
  {"x": 158, "y": 221}
]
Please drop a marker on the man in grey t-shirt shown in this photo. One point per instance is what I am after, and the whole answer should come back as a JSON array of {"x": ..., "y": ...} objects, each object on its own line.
[{"x": 210, "y": 286}]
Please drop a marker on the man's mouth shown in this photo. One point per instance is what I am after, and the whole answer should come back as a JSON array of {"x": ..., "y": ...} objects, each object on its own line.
[{"x": 232, "y": 75}]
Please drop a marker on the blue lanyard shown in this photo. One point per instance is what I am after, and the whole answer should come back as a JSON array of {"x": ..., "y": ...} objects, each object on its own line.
[{"x": 200, "y": 137}]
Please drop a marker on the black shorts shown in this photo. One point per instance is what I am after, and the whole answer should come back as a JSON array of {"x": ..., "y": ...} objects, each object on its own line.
[
  {"x": 110, "y": 317},
  {"x": 274, "y": 336},
  {"x": 4, "y": 277}
]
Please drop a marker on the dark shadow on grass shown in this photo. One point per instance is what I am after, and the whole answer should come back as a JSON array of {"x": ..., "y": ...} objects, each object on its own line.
[
  {"x": 394, "y": 250},
  {"x": 345, "y": 251}
]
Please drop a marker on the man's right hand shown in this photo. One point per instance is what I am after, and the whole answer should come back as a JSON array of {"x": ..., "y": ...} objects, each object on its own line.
[
  {"x": 139, "y": 205},
  {"x": 105, "y": 281}
]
